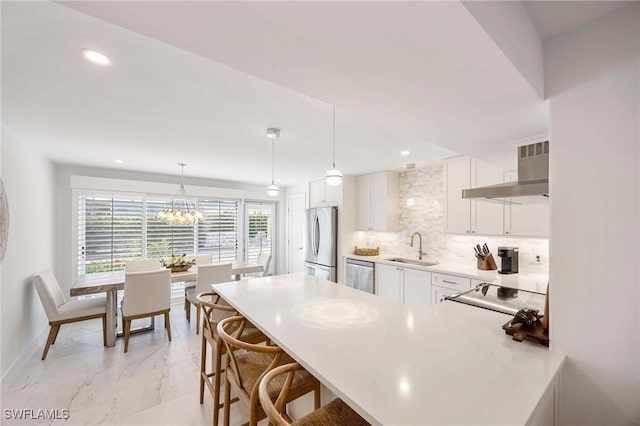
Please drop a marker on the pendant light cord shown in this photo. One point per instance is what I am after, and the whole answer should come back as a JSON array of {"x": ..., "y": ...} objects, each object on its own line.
[
  {"x": 273, "y": 160},
  {"x": 334, "y": 137}
]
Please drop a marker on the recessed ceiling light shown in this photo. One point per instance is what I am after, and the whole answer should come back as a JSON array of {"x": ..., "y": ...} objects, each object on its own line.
[
  {"x": 405, "y": 152},
  {"x": 119, "y": 161},
  {"x": 96, "y": 57}
]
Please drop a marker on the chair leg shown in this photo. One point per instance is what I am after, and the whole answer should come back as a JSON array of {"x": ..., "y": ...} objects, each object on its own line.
[
  {"x": 127, "y": 332},
  {"x": 55, "y": 336},
  {"x": 104, "y": 330},
  {"x": 52, "y": 332},
  {"x": 198, "y": 319},
  {"x": 167, "y": 324},
  {"x": 188, "y": 308},
  {"x": 316, "y": 397},
  {"x": 203, "y": 369},
  {"x": 217, "y": 380},
  {"x": 227, "y": 399}
]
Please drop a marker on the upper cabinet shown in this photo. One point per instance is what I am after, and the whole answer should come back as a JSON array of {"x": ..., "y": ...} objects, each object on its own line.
[
  {"x": 321, "y": 194},
  {"x": 377, "y": 202},
  {"x": 471, "y": 216},
  {"x": 526, "y": 220}
]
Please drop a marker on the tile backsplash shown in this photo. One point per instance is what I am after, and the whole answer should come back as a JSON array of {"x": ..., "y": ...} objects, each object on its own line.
[{"x": 426, "y": 187}]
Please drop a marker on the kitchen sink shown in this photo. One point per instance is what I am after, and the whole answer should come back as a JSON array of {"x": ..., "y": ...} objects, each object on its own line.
[{"x": 411, "y": 261}]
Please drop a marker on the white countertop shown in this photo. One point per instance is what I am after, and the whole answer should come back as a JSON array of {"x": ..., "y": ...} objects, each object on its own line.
[
  {"x": 523, "y": 281},
  {"x": 396, "y": 364}
]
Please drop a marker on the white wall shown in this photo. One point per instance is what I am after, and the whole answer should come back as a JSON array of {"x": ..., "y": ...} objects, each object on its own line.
[
  {"x": 29, "y": 182},
  {"x": 593, "y": 83},
  {"x": 64, "y": 243}
]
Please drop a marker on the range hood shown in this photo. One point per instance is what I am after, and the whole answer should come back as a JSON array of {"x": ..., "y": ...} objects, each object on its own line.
[{"x": 532, "y": 185}]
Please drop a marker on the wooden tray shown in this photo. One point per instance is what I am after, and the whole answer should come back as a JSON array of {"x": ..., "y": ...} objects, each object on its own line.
[
  {"x": 520, "y": 333},
  {"x": 360, "y": 251}
]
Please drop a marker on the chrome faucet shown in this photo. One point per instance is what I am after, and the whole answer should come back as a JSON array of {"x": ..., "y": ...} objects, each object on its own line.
[{"x": 420, "y": 252}]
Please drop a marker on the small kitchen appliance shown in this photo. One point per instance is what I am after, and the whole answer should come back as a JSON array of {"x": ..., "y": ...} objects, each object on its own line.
[{"x": 509, "y": 260}]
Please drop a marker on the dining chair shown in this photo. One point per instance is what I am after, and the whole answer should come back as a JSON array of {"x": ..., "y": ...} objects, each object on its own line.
[
  {"x": 207, "y": 275},
  {"x": 273, "y": 392},
  {"x": 146, "y": 294},
  {"x": 264, "y": 259},
  {"x": 60, "y": 311},
  {"x": 137, "y": 265},
  {"x": 215, "y": 309},
  {"x": 247, "y": 363},
  {"x": 201, "y": 259}
]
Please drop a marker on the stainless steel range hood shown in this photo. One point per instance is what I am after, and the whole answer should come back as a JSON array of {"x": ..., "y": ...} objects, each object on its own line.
[{"x": 533, "y": 179}]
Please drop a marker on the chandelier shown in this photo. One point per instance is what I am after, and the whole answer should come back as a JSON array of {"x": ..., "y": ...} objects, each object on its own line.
[{"x": 181, "y": 210}]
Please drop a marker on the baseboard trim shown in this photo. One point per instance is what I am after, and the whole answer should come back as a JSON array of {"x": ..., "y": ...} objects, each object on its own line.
[{"x": 32, "y": 347}]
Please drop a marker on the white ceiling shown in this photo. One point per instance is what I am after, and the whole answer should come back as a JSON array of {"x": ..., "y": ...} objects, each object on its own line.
[
  {"x": 552, "y": 18},
  {"x": 199, "y": 82}
]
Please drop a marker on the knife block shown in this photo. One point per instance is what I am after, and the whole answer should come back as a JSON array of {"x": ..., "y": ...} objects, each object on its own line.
[{"x": 487, "y": 264}]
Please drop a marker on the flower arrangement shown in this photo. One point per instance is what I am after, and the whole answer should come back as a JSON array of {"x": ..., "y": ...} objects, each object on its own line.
[{"x": 178, "y": 263}]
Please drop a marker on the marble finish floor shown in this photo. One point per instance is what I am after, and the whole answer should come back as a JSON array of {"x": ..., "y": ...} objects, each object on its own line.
[{"x": 155, "y": 383}]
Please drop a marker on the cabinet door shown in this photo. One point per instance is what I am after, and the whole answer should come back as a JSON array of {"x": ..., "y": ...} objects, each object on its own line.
[
  {"x": 526, "y": 220},
  {"x": 388, "y": 282},
  {"x": 363, "y": 203},
  {"x": 379, "y": 201},
  {"x": 487, "y": 218},
  {"x": 458, "y": 210},
  {"x": 438, "y": 293},
  {"x": 316, "y": 193},
  {"x": 416, "y": 287},
  {"x": 333, "y": 194}
]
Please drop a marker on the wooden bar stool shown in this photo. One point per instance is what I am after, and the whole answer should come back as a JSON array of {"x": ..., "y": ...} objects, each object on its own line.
[
  {"x": 215, "y": 310},
  {"x": 335, "y": 413},
  {"x": 247, "y": 363}
]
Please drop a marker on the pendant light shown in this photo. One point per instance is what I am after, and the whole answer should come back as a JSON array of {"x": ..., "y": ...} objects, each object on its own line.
[
  {"x": 181, "y": 210},
  {"x": 273, "y": 134},
  {"x": 334, "y": 176},
  {"x": 410, "y": 200}
]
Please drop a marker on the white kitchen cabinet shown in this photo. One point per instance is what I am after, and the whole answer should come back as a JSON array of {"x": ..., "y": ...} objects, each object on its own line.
[
  {"x": 525, "y": 220},
  {"x": 377, "y": 202},
  {"x": 438, "y": 294},
  {"x": 454, "y": 282},
  {"x": 321, "y": 194},
  {"x": 471, "y": 216},
  {"x": 389, "y": 282},
  {"x": 403, "y": 285}
]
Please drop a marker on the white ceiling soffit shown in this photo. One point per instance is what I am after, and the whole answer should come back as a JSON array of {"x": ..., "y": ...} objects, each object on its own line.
[
  {"x": 427, "y": 69},
  {"x": 158, "y": 105},
  {"x": 552, "y": 18}
]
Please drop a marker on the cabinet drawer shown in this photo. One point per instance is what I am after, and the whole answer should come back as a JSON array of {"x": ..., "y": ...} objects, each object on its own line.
[{"x": 450, "y": 281}]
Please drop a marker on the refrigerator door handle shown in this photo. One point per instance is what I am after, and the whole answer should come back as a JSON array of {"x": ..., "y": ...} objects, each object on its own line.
[{"x": 316, "y": 230}]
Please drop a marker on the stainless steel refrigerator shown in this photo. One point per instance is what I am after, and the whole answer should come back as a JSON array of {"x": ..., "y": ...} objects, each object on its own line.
[{"x": 321, "y": 241}]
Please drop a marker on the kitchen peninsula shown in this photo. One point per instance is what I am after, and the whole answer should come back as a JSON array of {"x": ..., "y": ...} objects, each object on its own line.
[{"x": 398, "y": 364}]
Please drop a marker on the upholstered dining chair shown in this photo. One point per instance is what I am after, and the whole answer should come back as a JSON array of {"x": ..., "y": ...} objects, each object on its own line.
[
  {"x": 207, "y": 275},
  {"x": 264, "y": 259},
  {"x": 201, "y": 259},
  {"x": 146, "y": 294},
  {"x": 247, "y": 363},
  {"x": 273, "y": 391},
  {"x": 215, "y": 309},
  {"x": 60, "y": 311},
  {"x": 137, "y": 265}
]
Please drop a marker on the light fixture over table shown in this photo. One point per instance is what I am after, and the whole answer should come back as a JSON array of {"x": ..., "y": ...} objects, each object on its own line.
[
  {"x": 272, "y": 133},
  {"x": 334, "y": 176},
  {"x": 181, "y": 210}
]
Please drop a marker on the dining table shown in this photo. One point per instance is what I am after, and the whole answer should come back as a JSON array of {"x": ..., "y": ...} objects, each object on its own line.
[{"x": 111, "y": 282}]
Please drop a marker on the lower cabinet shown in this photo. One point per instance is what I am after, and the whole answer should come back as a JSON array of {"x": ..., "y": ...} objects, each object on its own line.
[
  {"x": 403, "y": 285},
  {"x": 444, "y": 285},
  {"x": 438, "y": 294}
]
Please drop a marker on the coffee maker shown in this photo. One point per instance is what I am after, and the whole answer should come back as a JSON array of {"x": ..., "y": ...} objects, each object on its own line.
[{"x": 509, "y": 260}]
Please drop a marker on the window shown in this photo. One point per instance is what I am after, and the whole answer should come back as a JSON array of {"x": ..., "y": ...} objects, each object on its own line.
[
  {"x": 260, "y": 220},
  {"x": 109, "y": 232},
  {"x": 115, "y": 228}
]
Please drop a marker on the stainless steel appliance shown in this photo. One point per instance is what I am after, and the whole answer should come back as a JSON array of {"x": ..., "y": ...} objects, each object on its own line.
[
  {"x": 359, "y": 274},
  {"x": 533, "y": 179},
  {"x": 500, "y": 299},
  {"x": 509, "y": 260},
  {"x": 320, "y": 244}
]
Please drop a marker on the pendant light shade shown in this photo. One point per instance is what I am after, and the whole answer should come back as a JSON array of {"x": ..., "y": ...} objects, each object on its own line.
[
  {"x": 334, "y": 176},
  {"x": 181, "y": 210},
  {"x": 273, "y": 190}
]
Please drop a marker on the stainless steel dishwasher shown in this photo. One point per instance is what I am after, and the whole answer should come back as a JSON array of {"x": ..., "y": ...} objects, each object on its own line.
[{"x": 360, "y": 275}]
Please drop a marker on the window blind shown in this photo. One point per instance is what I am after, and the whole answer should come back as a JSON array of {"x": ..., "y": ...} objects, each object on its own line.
[
  {"x": 109, "y": 231},
  {"x": 165, "y": 240},
  {"x": 218, "y": 234},
  {"x": 260, "y": 228}
]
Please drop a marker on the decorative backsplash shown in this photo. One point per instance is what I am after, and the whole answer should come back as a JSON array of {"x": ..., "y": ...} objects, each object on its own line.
[{"x": 426, "y": 187}]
